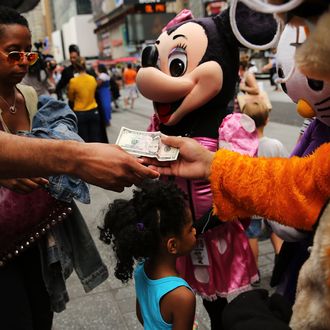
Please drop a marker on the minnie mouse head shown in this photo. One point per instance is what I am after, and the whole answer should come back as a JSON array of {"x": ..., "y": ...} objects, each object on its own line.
[{"x": 191, "y": 70}]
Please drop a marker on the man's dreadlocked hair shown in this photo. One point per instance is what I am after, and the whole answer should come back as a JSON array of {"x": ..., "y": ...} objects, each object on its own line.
[{"x": 135, "y": 227}]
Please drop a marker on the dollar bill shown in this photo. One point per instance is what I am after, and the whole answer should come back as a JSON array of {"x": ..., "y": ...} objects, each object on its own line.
[{"x": 148, "y": 144}]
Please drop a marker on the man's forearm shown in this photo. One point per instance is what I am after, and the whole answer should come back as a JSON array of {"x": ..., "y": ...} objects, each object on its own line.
[
  {"x": 104, "y": 165},
  {"x": 29, "y": 157}
]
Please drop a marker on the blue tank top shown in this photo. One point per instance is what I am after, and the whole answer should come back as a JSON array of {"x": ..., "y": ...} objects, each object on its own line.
[{"x": 149, "y": 292}]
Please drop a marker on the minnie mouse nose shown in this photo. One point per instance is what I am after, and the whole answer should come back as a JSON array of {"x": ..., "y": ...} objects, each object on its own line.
[{"x": 149, "y": 56}]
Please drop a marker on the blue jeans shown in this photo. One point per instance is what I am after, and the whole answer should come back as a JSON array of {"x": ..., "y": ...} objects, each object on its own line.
[
  {"x": 89, "y": 125},
  {"x": 254, "y": 229}
]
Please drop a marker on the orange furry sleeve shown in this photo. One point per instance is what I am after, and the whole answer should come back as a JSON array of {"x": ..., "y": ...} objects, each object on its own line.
[{"x": 291, "y": 191}]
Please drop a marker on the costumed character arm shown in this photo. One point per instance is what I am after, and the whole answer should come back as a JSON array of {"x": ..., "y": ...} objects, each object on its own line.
[
  {"x": 288, "y": 234},
  {"x": 305, "y": 143},
  {"x": 290, "y": 191}
]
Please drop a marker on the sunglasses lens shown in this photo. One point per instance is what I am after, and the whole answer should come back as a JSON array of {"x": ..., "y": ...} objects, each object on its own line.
[
  {"x": 15, "y": 57},
  {"x": 32, "y": 57},
  {"x": 18, "y": 57}
]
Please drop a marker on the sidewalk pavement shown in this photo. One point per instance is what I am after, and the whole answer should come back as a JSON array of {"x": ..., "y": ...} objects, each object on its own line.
[
  {"x": 112, "y": 304},
  {"x": 274, "y": 95}
]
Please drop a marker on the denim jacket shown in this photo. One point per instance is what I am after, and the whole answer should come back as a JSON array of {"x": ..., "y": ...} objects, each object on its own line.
[
  {"x": 55, "y": 120},
  {"x": 69, "y": 245}
]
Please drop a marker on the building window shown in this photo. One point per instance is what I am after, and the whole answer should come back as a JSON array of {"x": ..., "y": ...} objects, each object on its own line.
[{"x": 84, "y": 7}]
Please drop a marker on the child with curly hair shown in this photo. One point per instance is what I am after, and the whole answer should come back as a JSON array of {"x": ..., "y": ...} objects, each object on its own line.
[{"x": 154, "y": 228}]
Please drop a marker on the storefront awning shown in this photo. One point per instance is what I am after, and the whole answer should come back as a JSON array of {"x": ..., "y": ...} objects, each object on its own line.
[{"x": 129, "y": 59}]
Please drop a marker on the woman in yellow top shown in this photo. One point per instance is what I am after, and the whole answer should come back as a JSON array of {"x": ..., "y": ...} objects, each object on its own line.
[{"x": 81, "y": 93}]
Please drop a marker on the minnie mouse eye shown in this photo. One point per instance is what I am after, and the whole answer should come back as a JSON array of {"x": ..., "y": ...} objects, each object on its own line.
[{"x": 177, "y": 62}]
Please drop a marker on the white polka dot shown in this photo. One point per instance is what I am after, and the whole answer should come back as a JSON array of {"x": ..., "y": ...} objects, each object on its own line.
[
  {"x": 225, "y": 145},
  {"x": 201, "y": 274},
  {"x": 222, "y": 246},
  {"x": 248, "y": 123}
]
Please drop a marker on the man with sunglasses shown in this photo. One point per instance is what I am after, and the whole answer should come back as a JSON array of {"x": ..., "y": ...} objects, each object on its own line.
[
  {"x": 107, "y": 166},
  {"x": 32, "y": 285}
]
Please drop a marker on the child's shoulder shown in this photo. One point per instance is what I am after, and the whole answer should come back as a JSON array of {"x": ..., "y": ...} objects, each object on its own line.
[
  {"x": 182, "y": 294},
  {"x": 272, "y": 142},
  {"x": 180, "y": 303},
  {"x": 270, "y": 147}
]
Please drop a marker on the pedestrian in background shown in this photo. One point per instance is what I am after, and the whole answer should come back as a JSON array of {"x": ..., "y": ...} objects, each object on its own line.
[
  {"x": 115, "y": 84},
  {"x": 268, "y": 147},
  {"x": 104, "y": 93},
  {"x": 270, "y": 67},
  {"x": 129, "y": 80},
  {"x": 37, "y": 76},
  {"x": 250, "y": 91},
  {"x": 51, "y": 66},
  {"x": 81, "y": 93},
  {"x": 68, "y": 72},
  {"x": 154, "y": 228},
  {"x": 248, "y": 83}
]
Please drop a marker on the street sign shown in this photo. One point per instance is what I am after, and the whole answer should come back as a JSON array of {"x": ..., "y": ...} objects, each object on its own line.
[{"x": 151, "y": 8}]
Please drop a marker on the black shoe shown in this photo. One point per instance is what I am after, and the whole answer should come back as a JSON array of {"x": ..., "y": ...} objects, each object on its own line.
[{"x": 257, "y": 283}]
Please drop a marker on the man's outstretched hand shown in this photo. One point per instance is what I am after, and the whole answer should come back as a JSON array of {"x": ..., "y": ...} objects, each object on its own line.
[
  {"x": 110, "y": 167},
  {"x": 193, "y": 163}
]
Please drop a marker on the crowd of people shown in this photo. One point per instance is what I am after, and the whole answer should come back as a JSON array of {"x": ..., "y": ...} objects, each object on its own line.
[
  {"x": 93, "y": 104},
  {"x": 152, "y": 234}
]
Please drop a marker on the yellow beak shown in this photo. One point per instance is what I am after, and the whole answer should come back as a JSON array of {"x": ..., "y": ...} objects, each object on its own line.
[{"x": 304, "y": 109}]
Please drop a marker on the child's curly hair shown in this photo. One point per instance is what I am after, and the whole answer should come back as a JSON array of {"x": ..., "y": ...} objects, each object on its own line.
[{"x": 135, "y": 227}]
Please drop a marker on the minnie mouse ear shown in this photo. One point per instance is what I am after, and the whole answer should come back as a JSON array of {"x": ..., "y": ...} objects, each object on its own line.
[
  {"x": 22, "y": 6},
  {"x": 253, "y": 29},
  {"x": 184, "y": 15}
]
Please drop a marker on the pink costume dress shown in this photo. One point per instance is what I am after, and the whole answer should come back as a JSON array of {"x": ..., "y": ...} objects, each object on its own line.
[{"x": 223, "y": 263}]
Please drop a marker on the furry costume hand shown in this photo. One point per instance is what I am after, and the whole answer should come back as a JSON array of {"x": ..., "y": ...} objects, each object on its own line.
[{"x": 290, "y": 191}]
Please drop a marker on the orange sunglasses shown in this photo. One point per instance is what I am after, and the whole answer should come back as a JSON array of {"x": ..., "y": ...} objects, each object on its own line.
[{"x": 16, "y": 57}]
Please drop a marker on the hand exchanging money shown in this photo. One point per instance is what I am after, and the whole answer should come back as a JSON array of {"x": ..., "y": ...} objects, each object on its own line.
[
  {"x": 147, "y": 144},
  {"x": 194, "y": 161}
]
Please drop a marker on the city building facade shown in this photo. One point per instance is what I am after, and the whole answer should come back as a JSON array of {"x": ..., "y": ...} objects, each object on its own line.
[
  {"x": 124, "y": 27},
  {"x": 107, "y": 29},
  {"x": 73, "y": 24},
  {"x": 37, "y": 22}
]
